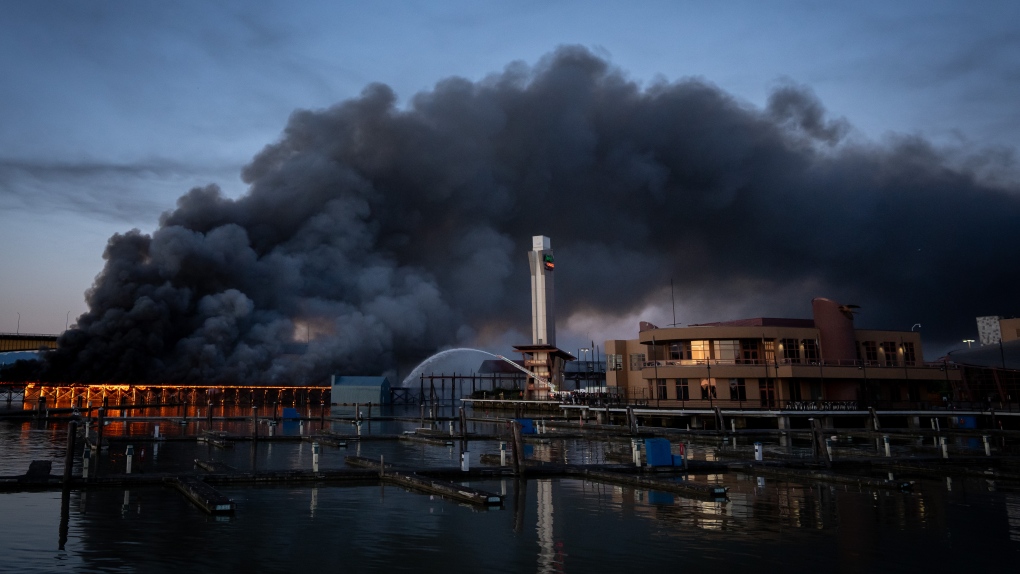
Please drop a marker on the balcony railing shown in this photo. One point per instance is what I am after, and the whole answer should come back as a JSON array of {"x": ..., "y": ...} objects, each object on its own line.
[{"x": 788, "y": 362}]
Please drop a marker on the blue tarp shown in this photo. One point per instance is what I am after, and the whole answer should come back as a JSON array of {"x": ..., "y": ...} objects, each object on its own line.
[
  {"x": 527, "y": 426},
  {"x": 290, "y": 413},
  {"x": 657, "y": 452}
]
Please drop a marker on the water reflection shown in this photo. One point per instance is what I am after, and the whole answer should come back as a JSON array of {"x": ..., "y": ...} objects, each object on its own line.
[{"x": 548, "y": 525}]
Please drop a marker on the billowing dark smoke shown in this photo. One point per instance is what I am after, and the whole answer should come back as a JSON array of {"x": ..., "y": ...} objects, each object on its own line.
[{"x": 381, "y": 234}]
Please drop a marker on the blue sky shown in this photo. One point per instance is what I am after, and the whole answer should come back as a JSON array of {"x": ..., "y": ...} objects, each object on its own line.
[{"x": 109, "y": 111}]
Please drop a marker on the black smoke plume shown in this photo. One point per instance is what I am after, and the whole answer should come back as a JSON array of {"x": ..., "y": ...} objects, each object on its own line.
[{"x": 381, "y": 233}]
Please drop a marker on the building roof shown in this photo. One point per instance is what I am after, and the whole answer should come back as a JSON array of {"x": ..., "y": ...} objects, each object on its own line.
[
  {"x": 761, "y": 322},
  {"x": 990, "y": 356},
  {"x": 551, "y": 349}
]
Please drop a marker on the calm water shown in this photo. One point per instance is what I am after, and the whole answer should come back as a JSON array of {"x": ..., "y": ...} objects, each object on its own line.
[{"x": 561, "y": 525}]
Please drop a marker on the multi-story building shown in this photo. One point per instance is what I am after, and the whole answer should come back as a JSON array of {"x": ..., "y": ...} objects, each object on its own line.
[{"x": 823, "y": 362}]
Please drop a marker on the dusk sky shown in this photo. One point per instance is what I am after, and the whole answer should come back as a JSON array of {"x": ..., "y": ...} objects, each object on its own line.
[{"x": 110, "y": 111}]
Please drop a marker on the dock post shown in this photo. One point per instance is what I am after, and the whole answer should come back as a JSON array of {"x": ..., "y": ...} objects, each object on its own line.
[
  {"x": 885, "y": 440},
  {"x": 85, "y": 463},
  {"x": 370, "y": 410},
  {"x": 101, "y": 421},
  {"x": 463, "y": 424},
  {"x": 382, "y": 465},
  {"x": 828, "y": 449},
  {"x": 733, "y": 425},
  {"x": 945, "y": 447},
  {"x": 502, "y": 453},
  {"x": 635, "y": 452},
  {"x": 465, "y": 460},
  {"x": 254, "y": 423},
  {"x": 820, "y": 447},
  {"x": 757, "y": 452},
  {"x": 128, "y": 455},
  {"x": 451, "y": 428},
  {"x": 208, "y": 415},
  {"x": 988, "y": 447},
  {"x": 72, "y": 434},
  {"x": 315, "y": 456},
  {"x": 518, "y": 448},
  {"x": 155, "y": 432},
  {"x": 358, "y": 424}
]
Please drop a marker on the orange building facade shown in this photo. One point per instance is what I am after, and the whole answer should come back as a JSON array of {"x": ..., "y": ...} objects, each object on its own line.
[{"x": 773, "y": 363}]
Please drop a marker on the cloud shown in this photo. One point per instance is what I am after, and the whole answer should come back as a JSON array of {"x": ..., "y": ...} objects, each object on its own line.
[{"x": 397, "y": 232}]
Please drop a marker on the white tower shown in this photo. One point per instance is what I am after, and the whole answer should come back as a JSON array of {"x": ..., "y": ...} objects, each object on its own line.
[{"x": 543, "y": 308}]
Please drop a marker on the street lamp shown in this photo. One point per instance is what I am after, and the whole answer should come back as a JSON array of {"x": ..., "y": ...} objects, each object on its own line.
[
  {"x": 918, "y": 325},
  {"x": 18, "y": 331},
  {"x": 968, "y": 341}
]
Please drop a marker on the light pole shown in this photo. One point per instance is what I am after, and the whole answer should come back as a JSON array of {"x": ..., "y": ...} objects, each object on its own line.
[
  {"x": 584, "y": 352},
  {"x": 67, "y": 318},
  {"x": 968, "y": 341},
  {"x": 18, "y": 331}
]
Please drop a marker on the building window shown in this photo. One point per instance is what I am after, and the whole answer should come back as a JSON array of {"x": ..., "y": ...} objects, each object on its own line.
[
  {"x": 889, "y": 350},
  {"x": 811, "y": 354},
  {"x": 726, "y": 351},
  {"x": 738, "y": 391},
  {"x": 676, "y": 351},
  {"x": 614, "y": 362},
  {"x": 793, "y": 390},
  {"x": 637, "y": 360},
  {"x": 770, "y": 351},
  {"x": 749, "y": 351},
  {"x": 870, "y": 351},
  {"x": 682, "y": 392},
  {"x": 767, "y": 389},
  {"x": 908, "y": 353},
  {"x": 700, "y": 351},
  {"x": 707, "y": 389},
  {"x": 791, "y": 350},
  {"x": 660, "y": 388}
]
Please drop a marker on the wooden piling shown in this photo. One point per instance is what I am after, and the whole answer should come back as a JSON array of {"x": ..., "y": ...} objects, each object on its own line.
[
  {"x": 518, "y": 448},
  {"x": 72, "y": 434}
]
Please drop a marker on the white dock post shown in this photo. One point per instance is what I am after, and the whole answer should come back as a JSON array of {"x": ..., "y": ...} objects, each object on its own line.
[
  {"x": 315, "y": 456},
  {"x": 130, "y": 452},
  {"x": 885, "y": 440}
]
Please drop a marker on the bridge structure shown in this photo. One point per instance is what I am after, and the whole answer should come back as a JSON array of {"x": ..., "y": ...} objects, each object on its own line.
[{"x": 27, "y": 342}]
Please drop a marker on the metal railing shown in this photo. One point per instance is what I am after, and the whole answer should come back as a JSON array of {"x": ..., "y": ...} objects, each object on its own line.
[{"x": 798, "y": 362}]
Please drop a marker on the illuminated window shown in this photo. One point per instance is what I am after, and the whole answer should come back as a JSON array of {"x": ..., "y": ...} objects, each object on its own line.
[
  {"x": 770, "y": 351},
  {"x": 700, "y": 350}
]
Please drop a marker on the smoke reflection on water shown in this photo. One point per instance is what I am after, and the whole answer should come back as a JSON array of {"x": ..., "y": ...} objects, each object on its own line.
[{"x": 561, "y": 525}]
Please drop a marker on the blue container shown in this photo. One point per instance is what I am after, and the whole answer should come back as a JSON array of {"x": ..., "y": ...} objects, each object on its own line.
[
  {"x": 657, "y": 452},
  {"x": 527, "y": 426}
]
